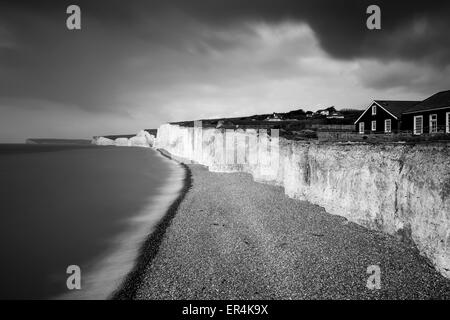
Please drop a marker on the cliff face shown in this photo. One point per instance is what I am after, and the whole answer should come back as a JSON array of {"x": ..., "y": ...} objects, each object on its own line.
[
  {"x": 141, "y": 139},
  {"x": 403, "y": 190},
  {"x": 398, "y": 189}
]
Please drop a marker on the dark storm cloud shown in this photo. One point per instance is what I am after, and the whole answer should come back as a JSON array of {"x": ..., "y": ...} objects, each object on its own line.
[
  {"x": 410, "y": 29},
  {"x": 180, "y": 58}
]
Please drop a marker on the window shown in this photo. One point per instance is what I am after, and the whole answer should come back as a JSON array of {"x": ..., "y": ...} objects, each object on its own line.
[
  {"x": 418, "y": 124},
  {"x": 374, "y": 110},
  {"x": 374, "y": 125},
  {"x": 433, "y": 123},
  {"x": 387, "y": 125},
  {"x": 447, "y": 122},
  {"x": 361, "y": 127}
]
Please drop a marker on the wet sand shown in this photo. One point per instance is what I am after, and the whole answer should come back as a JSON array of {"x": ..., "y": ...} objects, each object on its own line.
[{"x": 233, "y": 238}]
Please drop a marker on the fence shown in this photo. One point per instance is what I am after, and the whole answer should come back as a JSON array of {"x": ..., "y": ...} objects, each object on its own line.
[
  {"x": 333, "y": 127},
  {"x": 407, "y": 136}
]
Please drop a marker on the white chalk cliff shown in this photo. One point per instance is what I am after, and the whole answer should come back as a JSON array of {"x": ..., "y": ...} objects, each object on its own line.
[
  {"x": 141, "y": 139},
  {"x": 102, "y": 141},
  {"x": 403, "y": 190}
]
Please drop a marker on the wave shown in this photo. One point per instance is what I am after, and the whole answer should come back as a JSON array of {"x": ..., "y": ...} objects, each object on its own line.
[{"x": 107, "y": 275}]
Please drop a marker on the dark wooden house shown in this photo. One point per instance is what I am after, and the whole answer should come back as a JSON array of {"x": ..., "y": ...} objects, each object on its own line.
[
  {"x": 429, "y": 116},
  {"x": 382, "y": 116}
]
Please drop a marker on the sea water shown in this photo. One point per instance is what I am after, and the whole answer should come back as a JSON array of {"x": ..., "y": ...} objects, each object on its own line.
[{"x": 87, "y": 206}]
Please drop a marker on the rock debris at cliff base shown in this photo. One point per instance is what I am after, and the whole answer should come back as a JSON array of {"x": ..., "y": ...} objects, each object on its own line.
[{"x": 233, "y": 238}]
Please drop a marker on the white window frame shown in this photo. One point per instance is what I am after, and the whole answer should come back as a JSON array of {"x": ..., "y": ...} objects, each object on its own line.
[
  {"x": 415, "y": 129},
  {"x": 361, "y": 127},
  {"x": 386, "y": 121},
  {"x": 374, "y": 110},
  {"x": 374, "y": 125},
  {"x": 447, "y": 122},
  {"x": 430, "y": 122}
]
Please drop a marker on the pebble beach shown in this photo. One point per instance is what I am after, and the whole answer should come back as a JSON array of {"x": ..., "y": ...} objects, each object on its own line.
[{"x": 228, "y": 237}]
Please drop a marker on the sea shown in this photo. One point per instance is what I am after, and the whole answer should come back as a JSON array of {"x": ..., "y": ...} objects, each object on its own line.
[{"x": 73, "y": 217}]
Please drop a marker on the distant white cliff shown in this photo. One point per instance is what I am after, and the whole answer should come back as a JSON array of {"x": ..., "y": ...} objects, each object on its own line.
[
  {"x": 141, "y": 139},
  {"x": 102, "y": 141}
]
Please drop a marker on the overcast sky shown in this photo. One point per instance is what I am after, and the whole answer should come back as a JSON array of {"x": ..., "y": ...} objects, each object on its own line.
[{"x": 137, "y": 64}]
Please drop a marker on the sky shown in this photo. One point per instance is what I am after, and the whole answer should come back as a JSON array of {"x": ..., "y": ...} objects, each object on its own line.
[{"x": 137, "y": 64}]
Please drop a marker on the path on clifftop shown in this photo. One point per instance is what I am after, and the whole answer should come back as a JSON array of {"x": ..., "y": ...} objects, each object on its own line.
[{"x": 233, "y": 238}]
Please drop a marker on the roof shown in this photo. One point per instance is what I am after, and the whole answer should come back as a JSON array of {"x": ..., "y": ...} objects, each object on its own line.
[
  {"x": 436, "y": 101},
  {"x": 396, "y": 107}
]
